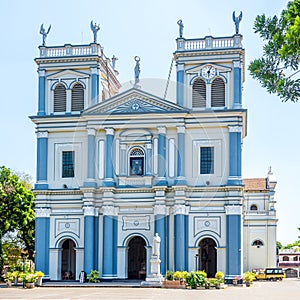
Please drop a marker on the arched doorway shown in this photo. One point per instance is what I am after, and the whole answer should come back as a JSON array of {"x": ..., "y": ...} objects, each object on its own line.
[
  {"x": 136, "y": 258},
  {"x": 208, "y": 256},
  {"x": 68, "y": 260}
]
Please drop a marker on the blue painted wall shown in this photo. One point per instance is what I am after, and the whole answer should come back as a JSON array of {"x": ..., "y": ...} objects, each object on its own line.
[
  {"x": 42, "y": 163},
  {"x": 89, "y": 246},
  {"x": 108, "y": 247},
  {"x": 235, "y": 166},
  {"x": 180, "y": 246},
  {"x": 96, "y": 243},
  {"x": 233, "y": 245},
  {"x": 237, "y": 88},
  {"x": 109, "y": 167},
  {"x": 42, "y": 236},
  {"x": 180, "y": 87},
  {"x": 95, "y": 88},
  {"x": 160, "y": 227},
  {"x": 42, "y": 96}
]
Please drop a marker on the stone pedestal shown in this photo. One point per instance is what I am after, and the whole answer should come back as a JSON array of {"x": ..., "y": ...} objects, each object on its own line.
[{"x": 154, "y": 278}]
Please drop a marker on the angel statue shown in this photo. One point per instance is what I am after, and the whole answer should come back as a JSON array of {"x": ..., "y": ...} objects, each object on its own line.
[
  {"x": 44, "y": 33},
  {"x": 95, "y": 28},
  {"x": 180, "y": 24},
  {"x": 237, "y": 21}
]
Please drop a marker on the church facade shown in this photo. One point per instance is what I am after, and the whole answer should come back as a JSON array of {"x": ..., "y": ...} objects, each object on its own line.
[{"x": 115, "y": 168}]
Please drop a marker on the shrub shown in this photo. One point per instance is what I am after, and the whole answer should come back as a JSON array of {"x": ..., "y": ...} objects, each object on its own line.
[
  {"x": 169, "y": 275},
  {"x": 219, "y": 275},
  {"x": 39, "y": 274},
  {"x": 248, "y": 276},
  {"x": 94, "y": 276},
  {"x": 202, "y": 273},
  {"x": 193, "y": 279}
]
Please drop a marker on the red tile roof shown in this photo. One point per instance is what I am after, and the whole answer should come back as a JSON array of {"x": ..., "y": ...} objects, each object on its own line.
[{"x": 255, "y": 184}]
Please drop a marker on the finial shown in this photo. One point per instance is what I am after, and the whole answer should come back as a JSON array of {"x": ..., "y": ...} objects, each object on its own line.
[
  {"x": 44, "y": 33},
  {"x": 270, "y": 171},
  {"x": 237, "y": 21},
  {"x": 95, "y": 28},
  {"x": 137, "y": 71},
  {"x": 180, "y": 24},
  {"x": 113, "y": 60}
]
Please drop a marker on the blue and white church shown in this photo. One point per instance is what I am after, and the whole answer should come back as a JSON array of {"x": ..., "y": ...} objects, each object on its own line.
[{"x": 116, "y": 167}]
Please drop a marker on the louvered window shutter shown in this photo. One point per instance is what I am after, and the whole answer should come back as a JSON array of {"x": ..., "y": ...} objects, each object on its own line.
[
  {"x": 60, "y": 98},
  {"x": 218, "y": 93},
  {"x": 77, "y": 97},
  {"x": 199, "y": 93}
]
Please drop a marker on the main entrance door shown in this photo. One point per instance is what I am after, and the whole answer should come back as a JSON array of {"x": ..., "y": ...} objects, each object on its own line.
[
  {"x": 68, "y": 260},
  {"x": 136, "y": 258},
  {"x": 208, "y": 257}
]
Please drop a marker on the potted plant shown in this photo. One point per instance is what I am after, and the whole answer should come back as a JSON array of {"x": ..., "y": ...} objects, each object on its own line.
[
  {"x": 175, "y": 280},
  {"x": 195, "y": 279},
  {"x": 220, "y": 279},
  {"x": 9, "y": 278},
  {"x": 248, "y": 278},
  {"x": 39, "y": 278},
  {"x": 94, "y": 276},
  {"x": 29, "y": 279}
]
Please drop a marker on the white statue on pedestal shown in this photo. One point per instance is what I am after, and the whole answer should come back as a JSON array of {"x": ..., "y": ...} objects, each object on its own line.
[{"x": 156, "y": 245}]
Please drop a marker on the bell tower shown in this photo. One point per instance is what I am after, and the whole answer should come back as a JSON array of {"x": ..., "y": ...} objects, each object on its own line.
[{"x": 210, "y": 71}]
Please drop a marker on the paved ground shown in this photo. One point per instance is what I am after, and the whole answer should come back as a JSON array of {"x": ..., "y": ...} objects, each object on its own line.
[{"x": 288, "y": 289}]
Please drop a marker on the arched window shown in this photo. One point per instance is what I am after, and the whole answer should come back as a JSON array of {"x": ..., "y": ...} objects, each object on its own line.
[
  {"x": 199, "y": 93},
  {"x": 136, "y": 162},
  {"x": 218, "y": 93},
  {"x": 257, "y": 243},
  {"x": 253, "y": 207},
  {"x": 60, "y": 98},
  {"x": 77, "y": 103},
  {"x": 285, "y": 258}
]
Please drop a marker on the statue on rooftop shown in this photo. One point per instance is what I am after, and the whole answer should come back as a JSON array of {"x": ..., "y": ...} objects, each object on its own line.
[
  {"x": 137, "y": 70},
  {"x": 237, "y": 21},
  {"x": 180, "y": 24},
  {"x": 95, "y": 28},
  {"x": 113, "y": 61},
  {"x": 44, "y": 33}
]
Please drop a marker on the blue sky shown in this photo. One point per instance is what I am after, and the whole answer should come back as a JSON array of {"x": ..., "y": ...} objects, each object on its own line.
[{"x": 147, "y": 29}]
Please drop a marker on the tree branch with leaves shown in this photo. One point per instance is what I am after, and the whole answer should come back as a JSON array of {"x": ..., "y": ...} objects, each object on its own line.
[{"x": 278, "y": 68}]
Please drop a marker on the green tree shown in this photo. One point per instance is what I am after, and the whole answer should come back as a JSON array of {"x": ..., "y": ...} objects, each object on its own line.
[
  {"x": 278, "y": 68},
  {"x": 16, "y": 211},
  {"x": 278, "y": 247}
]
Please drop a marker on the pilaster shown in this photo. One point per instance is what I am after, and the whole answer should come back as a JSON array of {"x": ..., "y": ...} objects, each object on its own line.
[
  {"x": 237, "y": 73},
  {"x": 95, "y": 85},
  {"x": 161, "y": 180},
  {"x": 91, "y": 182},
  {"x": 42, "y": 93},
  {"x": 42, "y": 238},
  {"x": 179, "y": 83},
  {"x": 180, "y": 180},
  {"x": 42, "y": 161},
  {"x": 161, "y": 225},
  {"x": 233, "y": 240},
  {"x": 235, "y": 155},
  {"x": 109, "y": 164},
  {"x": 181, "y": 236},
  {"x": 89, "y": 238},
  {"x": 110, "y": 237}
]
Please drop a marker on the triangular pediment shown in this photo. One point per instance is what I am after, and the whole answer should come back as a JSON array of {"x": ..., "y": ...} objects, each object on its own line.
[
  {"x": 67, "y": 74},
  {"x": 134, "y": 101},
  {"x": 197, "y": 69}
]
